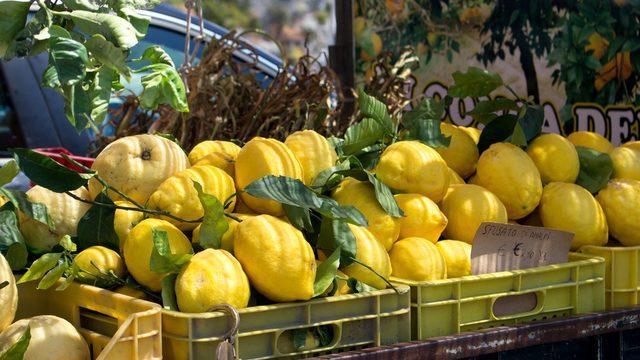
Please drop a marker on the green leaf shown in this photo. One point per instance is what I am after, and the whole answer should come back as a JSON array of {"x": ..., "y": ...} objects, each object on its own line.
[
  {"x": 474, "y": 83},
  {"x": 299, "y": 217},
  {"x": 8, "y": 171},
  {"x": 362, "y": 134},
  {"x": 358, "y": 287},
  {"x": 25, "y": 42},
  {"x": 70, "y": 277},
  {"x": 214, "y": 224},
  {"x": 286, "y": 190},
  {"x": 326, "y": 273},
  {"x": 12, "y": 243},
  {"x": 499, "y": 129},
  {"x": 89, "y": 5},
  {"x": 423, "y": 123},
  {"x": 139, "y": 22},
  {"x": 69, "y": 58},
  {"x": 68, "y": 244},
  {"x": 371, "y": 107},
  {"x": 162, "y": 260},
  {"x": 19, "y": 348},
  {"x": 96, "y": 226},
  {"x": 485, "y": 111},
  {"x": 14, "y": 17},
  {"x": 518, "y": 137},
  {"x": 115, "y": 29},
  {"x": 168, "y": 293},
  {"x": 39, "y": 267},
  {"x": 336, "y": 234},
  {"x": 595, "y": 169},
  {"x": 35, "y": 211},
  {"x": 52, "y": 276},
  {"x": 156, "y": 55},
  {"x": 531, "y": 122},
  {"x": 325, "y": 180},
  {"x": 162, "y": 85},
  {"x": 48, "y": 173},
  {"x": 108, "y": 54}
]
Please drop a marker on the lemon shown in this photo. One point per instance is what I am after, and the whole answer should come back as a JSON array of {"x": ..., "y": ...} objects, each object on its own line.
[
  {"x": 242, "y": 208},
  {"x": 139, "y": 245},
  {"x": 207, "y": 147},
  {"x": 532, "y": 219},
  {"x": 633, "y": 145},
  {"x": 454, "y": 178},
  {"x": 97, "y": 260},
  {"x": 509, "y": 173},
  {"x": 137, "y": 165},
  {"x": 462, "y": 153},
  {"x": 572, "y": 208},
  {"x": 467, "y": 206},
  {"x": 555, "y": 157},
  {"x": 370, "y": 252},
  {"x": 413, "y": 167},
  {"x": 457, "y": 257},
  {"x": 125, "y": 220},
  {"x": 64, "y": 213},
  {"x": 261, "y": 157},
  {"x": 422, "y": 217},
  {"x": 221, "y": 161},
  {"x": 52, "y": 338},
  {"x": 227, "y": 237},
  {"x": 361, "y": 195},
  {"x": 210, "y": 278},
  {"x": 313, "y": 151},
  {"x": 276, "y": 257},
  {"x": 473, "y": 132},
  {"x": 619, "y": 200},
  {"x": 178, "y": 196},
  {"x": 417, "y": 259},
  {"x": 8, "y": 295},
  {"x": 626, "y": 162},
  {"x": 590, "y": 140}
]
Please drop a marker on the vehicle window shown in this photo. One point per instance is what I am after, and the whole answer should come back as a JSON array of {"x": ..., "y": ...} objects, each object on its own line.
[{"x": 9, "y": 132}]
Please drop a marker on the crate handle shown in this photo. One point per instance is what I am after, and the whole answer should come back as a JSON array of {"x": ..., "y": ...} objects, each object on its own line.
[
  {"x": 285, "y": 343},
  {"x": 235, "y": 320},
  {"x": 517, "y": 305}
]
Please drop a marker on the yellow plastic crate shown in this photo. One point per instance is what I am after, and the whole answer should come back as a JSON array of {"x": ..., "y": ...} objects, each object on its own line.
[
  {"x": 622, "y": 280},
  {"x": 265, "y": 332},
  {"x": 116, "y": 327},
  {"x": 452, "y": 306}
]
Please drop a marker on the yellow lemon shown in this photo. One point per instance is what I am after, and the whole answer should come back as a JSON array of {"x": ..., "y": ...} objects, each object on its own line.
[
  {"x": 361, "y": 195},
  {"x": 313, "y": 151},
  {"x": 276, "y": 257},
  {"x": 207, "y": 147},
  {"x": 473, "y": 132},
  {"x": 555, "y": 157},
  {"x": 219, "y": 160},
  {"x": 137, "y": 165},
  {"x": 178, "y": 196},
  {"x": 619, "y": 200},
  {"x": 457, "y": 257},
  {"x": 509, "y": 173},
  {"x": 52, "y": 338},
  {"x": 422, "y": 217},
  {"x": 242, "y": 208},
  {"x": 413, "y": 167},
  {"x": 590, "y": 140},
  {"x": 64, "y": 213},
  {"x": 261, "y": 157},
  {"x": 417, "y": 259},
  {"x": 370, "y": 252},
  {"x": 211, "y": 277},
  {"x": 626, "y": 162},
  {"x": 467, "y": 206},
  {"x": 572, "y": 208},
  {"x": 97, "y": 260},
  {"x": 633, "y": 145},
  {"x": 139, "y": 245},
  {"x": 125, "y": 220},
  {"x": 227, "y": 238},
  {"x": 454, "y": 178},
  {"x": 462, "y": 153},
  {"x": 8, "y": 295}
]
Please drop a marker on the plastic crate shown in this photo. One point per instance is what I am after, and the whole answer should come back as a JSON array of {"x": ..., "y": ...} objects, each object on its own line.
[
  {"x": 265, "y": 332},
  {"x": 622, "y": 280},
  {"x": 116, "y": 327},
  {"x": 55, "y": 153},
  {"x": 452, "y": 306}
]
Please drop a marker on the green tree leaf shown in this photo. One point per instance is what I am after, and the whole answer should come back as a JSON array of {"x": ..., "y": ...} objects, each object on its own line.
[
  {"x": 19, "y": 348},
  {"x": 36, "y": 211},
  {"x": 39, "y": 267},
  {"x": 12, "y": 243},
  {"x": 69, "y": 58},
  {"x": 485, "y": 111},
  {"x": 168, "y": 292},
  {"x": 115, "y": 29},
  {"x": 96, "y": 226},
  {"x": 162, "y": 85},
  {"x": 214, "y": 224},
  {"x": 531, "y": 121},
  {"x": 474, "y": 83},
  {"x": 362, "y": 134},
  {"x": 336, "y": 234},
  {"x": 499, "y": 129},
  {"x": 139, "y": 22},
  {"x": 14, "y": 17},
  {"x": 358, "y": 287},
  {"x": 48, "y": 173},
  {"x": 8, "y": 171},
  {"x": 423, "y": 123},
  {"x": 371, "y": 107},
  {"x": 326, "y": 273},
  {"x": 108, "y": 54},
  {"x": 68, "y": 244},
  {"x": 596, "y": 169},
  {"x": 156, "y": 55},
  {"x": 53, "y": 275},
  {"x": 162, "y": 260},
  {"x": 89, "y": 5},
  {"x": 25, "y": 42},
  {"x": 299, "y": 217}
]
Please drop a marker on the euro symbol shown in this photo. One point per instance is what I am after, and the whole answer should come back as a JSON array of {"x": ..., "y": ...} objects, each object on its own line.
[{"x": 517, "y": 251}]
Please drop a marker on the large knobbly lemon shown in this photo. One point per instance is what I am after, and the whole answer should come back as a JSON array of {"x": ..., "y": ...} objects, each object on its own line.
[
  {"x": 64, "y": 212},
  {"x": 555, "y": 157},
  {"x": 590, "y": 140},
  {"x": 227, "y": 237},
  {"x": 276, "y": 257},
  {"x": 509, "y": 173},
  {"x": 632, "y": 145},
  {"x": 8, "y": 295},
  {"x": 139, "y": 246},
  {"x": 261, "y": 157},
  {"x": 457, "y": 257},
  {"x": 413, "y": 167},
  {"x": 370, "y": 252},
  {"x": 361, "y": 195},
  {"x": 462, "y": 153},
  {"x": 454, "y": 178},
  {"x": 96, "y": 261},
  {"x": 125, "y": 220},
  {"x": 178, "y": 196},
  {"x": 210, "y": 278},
  {"x": 572, "y": 208},
  {"x": 417, "y": 259},
  {"x": 626, "y": 162},
  {"x": 619, "y": 200},
  {"x": 313, "y": 151},
  {"x": 52, "y": 338},
  {"x": 473, "y": 132},
  {"x": 207, "y": 147},
  {"x": 137, "y": 165},
  {"x": 467, "y": 206},
  {"x": 422, "y": 217}
]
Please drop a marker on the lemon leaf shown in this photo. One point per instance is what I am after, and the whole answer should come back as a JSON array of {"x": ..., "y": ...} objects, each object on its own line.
[
  {"x": 53, "y": 275},
  {"x": 12, "y": 243},
  {"x": 370, "y": 107},
  {"x": 487, "y": 110},
  {"x": 595, "y": 169},
  {"x": 35, "y": 211},
  {"x": 168, "y": 292},
  {"x": 8, "y": 171},
  {"x": 361, "y": 135},
  {"x": 299, "y": 217},
  {"x": 214, "y": 224},
  {"x": 474, "y": 83},
  {"x": 162, "y": 260},
  {"x": 423, "y": 123},
  {"x": 326, "y": 273},
  {"x": 39, "y": 267},
  {"x": 359, "y": 287},
  {"x": 336, "y": 234},
  {"x": 499, "y": 129},
  {"x": 17, "y": 350},
  {"x": 47, "y": 173},
  {"x": 96, "y": 226}
]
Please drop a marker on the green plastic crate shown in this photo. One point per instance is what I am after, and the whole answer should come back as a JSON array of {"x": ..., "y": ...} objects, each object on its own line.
[
  {"x": 452, "y": 306},
  {"x": 357, "y": 321}
]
